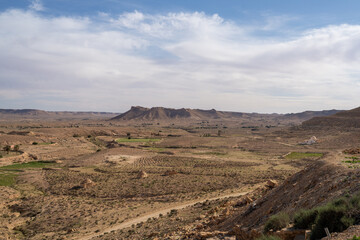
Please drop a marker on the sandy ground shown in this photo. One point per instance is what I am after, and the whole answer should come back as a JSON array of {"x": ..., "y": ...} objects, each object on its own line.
[{"x": 156, "y": 214}]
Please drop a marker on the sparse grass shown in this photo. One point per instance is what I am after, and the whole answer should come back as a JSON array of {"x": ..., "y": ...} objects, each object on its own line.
[
  {"x": 349, "y": 161},
  {"x": 7, "y": 179},
  {"x": 4, "y": 154},
  {"x": 354, "y": 238},
  {"x": 302, "y": 155},
  {"x": 38, "y": 164},
  {"x": 353, "y": 160},
  {"x": 124, "y": 140}
]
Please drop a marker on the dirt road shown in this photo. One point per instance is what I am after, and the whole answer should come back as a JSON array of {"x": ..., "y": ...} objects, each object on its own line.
[{"x": 154, "y": 214}]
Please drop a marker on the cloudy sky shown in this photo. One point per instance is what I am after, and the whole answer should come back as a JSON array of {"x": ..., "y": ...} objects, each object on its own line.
[{"x": 236, "y": 55}]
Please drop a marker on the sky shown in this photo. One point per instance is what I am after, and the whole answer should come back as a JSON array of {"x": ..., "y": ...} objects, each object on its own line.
[{"x": 232, "y": 55}]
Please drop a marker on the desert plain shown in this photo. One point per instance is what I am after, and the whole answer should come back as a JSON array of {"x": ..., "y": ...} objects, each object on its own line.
[{"x": 169, "y": 176}]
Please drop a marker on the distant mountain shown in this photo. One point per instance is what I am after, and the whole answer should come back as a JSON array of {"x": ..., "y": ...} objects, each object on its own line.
[
  {"x": 166, "y": 114},
  {"x": 303, "y": 116},
  {"x": 143, "y": 114},
  {"x": 160, "y": 113},
  {"x": 32, "y": 112},
  {"x": 343, "y": 119},
  {"x": 7, "y": 114}
]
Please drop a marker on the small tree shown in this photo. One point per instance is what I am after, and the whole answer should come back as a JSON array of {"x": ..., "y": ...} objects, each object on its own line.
[
  {"x": 128, "y": 135},
  {"x": 7, "y": 148},
  {"x": 16, "y": 148}
]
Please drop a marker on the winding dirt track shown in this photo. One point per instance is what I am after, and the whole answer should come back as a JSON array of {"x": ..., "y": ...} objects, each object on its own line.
[{"x": 154, "y": 214}]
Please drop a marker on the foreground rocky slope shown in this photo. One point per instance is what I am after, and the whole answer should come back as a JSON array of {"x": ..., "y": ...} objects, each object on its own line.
[{"x": 314, "y": 186}]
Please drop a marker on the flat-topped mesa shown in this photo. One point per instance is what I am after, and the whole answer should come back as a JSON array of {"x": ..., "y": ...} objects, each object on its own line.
[
  {"x": 138, "y": 113},
  {"x": 23, "y": 111},
  {"x": 161, "y": 113}
]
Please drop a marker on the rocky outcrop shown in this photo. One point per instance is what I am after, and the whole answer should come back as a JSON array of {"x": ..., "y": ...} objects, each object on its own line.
[
  {"x": 142, "y": 174},
  {"x": 87, "y": 183}
]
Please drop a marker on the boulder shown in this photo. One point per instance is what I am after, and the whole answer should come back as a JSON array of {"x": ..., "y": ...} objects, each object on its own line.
[
  {"x": 245, "y": 234},
  {"x": 87, "y": 183},
  {"x": 271, "y": 183},
  {"x": 170, "y": 172},
  {"x": 142, "y": 174}
]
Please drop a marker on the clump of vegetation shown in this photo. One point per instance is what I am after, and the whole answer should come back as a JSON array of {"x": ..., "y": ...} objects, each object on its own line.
[
  {"x": 7, "y": 179},
  {"x": 38, "y": 164},
  {"x": 122, "y": 140},
  {"x": 268, "y": 237},
  {"x": 7, "y": 149},
  {"x": 304, "y": 219},
  {"x": 354, "y": 238},
  {"x": 35, "y": 143},
  {"x": 277, "y": 222},
  {"x": 301, "y": 155},
  {"x": 16, "y": 148},
  {"x": 352, "y": 160},
  {"x": 337, "y": 216},
  {"x": 76, "y": 135}
]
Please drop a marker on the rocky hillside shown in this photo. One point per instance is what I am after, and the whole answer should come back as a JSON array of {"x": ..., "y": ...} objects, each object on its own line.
[
  {"x": 164, "y": 114},
  {"x": 310, "y": 187},
  {"x": 343, "y": 119},
  {"x": 303, "y": 116},
  {"x": 161, "y": 114}
]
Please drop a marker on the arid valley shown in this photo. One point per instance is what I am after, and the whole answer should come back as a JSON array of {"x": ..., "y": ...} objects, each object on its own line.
[
  {"x": 174, "y": 120},
  {"x": 172, "y": 174}
]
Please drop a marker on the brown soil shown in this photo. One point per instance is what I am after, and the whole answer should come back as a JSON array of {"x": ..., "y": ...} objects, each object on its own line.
[{"x": 92, "y": 185}]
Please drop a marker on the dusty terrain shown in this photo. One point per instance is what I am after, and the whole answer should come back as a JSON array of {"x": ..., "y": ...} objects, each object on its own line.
[{"x": 92, "y": 178}]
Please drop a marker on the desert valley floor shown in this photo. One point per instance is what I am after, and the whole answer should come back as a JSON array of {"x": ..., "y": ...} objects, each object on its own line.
[{"x": 201, "y": 179}]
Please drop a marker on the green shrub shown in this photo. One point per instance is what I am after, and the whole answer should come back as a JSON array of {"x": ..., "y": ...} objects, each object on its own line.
[
  {"x": 354, "y": 238},
  {"x": 355, "y": 201},
  {"x": 268, "y": 237},
  {"x": 277, "y": 222},
  {"x": 332, "y": 217},
  {"x": 341, "y": 202},
  {"x": 35, "y": 143},
  {"x": 337, "y": 216},
  {"x": 304, "y": 219},
  {"x": 16, "y": 148}
]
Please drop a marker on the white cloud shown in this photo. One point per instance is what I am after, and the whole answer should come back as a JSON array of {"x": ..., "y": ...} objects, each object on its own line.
[
  {"x": 36, "y": 5},
  {"x": 175, "y": 60}
]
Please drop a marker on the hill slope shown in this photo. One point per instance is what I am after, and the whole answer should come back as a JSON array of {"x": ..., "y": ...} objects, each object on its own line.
[
  {"x": 165, "y": 114},
  {"x": 160, "y": 114},
  {"x": 19, "y": 114},
  {"x": 343, "y": 119}
]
